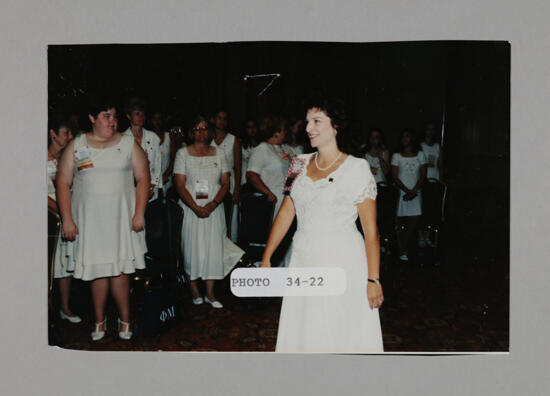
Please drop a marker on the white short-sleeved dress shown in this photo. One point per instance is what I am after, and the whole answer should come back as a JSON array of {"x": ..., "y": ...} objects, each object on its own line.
[
  {"x": 409, "y": 173},
  {"x": 432, "y": 158},
  {"x": 103, "y": 205},
  {"x": 271, "y": 162},
  {"x": 326, "y": 236},
  {"x": 376, "y": 168},
  {"x": 207, "y": 252}
]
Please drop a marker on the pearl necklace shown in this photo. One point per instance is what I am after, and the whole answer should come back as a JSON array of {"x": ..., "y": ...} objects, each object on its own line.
[{"x": 328, "y": 167}]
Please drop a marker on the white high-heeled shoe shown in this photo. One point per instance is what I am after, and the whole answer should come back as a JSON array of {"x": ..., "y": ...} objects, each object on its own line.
[
  {"x": 72, "y": 319},
  {"x": 98, "y": 335},
  {"x": 124, "y": 335}
]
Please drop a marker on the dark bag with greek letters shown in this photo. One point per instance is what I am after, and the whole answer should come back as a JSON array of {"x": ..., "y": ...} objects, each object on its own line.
[{"x": 158, "y": 309}]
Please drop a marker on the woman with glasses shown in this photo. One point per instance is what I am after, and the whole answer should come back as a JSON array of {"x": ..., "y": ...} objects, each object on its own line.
[{"x": 201, "y": 177}]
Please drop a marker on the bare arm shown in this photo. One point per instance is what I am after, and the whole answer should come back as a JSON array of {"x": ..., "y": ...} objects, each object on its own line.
[
  {"x": 52, "y": 205},
  {"x": 63, "y": 181},
  {"x": 140, "y": 167},
  {"x": 395, "y": 173},
  {"x": 237, "y": 165},
  {"x": 222, "y": 192},
  {"x": 385, "y": 162},
  {"x": 367, "y": 215},
  {"x": 422, "y": 178},
  {"x": 280, "y": 227},
  {"x": 260, "y": 186}
]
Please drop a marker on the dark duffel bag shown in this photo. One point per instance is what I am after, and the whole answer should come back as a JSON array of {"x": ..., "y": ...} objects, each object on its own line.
[{"x": 158, "y": 309}]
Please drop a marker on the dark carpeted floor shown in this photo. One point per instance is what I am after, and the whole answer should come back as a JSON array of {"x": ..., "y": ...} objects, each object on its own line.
[{"x": 452, "y": 306}]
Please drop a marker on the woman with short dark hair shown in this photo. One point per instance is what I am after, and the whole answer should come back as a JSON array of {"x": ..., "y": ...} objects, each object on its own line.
[
  {"x": 104, "y": 214},
  {"x": 327, "y": 191}
]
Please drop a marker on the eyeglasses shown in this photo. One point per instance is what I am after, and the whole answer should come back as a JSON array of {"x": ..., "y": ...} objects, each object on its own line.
[{"x": 200, "y": 128}]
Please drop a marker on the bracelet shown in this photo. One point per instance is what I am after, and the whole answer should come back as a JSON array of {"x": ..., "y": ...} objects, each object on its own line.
[
  {"x": 217, "y": 203},
  {"x": 374, "y": 280}
]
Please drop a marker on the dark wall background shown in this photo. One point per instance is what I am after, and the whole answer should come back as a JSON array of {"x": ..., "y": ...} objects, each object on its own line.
[{"x": 391, "y": 86}]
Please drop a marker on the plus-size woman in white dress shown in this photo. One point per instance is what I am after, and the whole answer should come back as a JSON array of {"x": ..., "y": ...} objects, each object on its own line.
[
  {"x": 327, "y": 193},
  {"x": 104, "y": 215}
]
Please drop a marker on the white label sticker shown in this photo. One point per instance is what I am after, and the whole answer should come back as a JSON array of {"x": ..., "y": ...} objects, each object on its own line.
[{"x": 276, "y": 282}]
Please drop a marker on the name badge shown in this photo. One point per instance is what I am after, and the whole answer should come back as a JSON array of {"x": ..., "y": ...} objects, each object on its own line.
[
  {"x": 83, "y": 158},
  {"x": 201, "y": 189}
]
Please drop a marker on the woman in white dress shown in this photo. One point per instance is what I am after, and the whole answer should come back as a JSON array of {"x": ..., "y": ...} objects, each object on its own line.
[
  {"x": 59, "y": 135},
  {"x": 104, "y": 215},
  {"x": 231, "y": 147},
  {"x": 408, "y": 166},
  {"x": 269, "y": 162},
  {"x": 378, "y": 156},
  {"x": 201, "y": 177},
  {"x": 327, "y": 190}
]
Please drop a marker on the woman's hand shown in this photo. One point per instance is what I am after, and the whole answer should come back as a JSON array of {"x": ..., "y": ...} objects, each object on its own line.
[
  {"x": 201, "y": 212},
  {"x": 374, "y": 295},
  {"x": 210, "y": 207},
  {"x": 69, "y": 231},
  {"x": 138, "y": 223},
  {"x": 265, "y": 264}
]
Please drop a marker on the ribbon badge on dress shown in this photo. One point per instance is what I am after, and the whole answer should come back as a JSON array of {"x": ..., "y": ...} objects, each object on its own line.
[{"x": 296, "y": 168}]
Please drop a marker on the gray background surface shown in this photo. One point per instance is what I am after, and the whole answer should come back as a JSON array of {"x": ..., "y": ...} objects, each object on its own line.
[{"x": 30, "y": 366}]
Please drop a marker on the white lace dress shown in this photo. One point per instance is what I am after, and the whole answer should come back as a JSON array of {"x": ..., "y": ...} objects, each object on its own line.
[{"x": 327, "y": 237}]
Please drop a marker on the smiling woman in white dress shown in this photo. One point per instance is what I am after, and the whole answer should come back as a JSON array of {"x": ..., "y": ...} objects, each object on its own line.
[
  {"x": 104, "y": 215},
  {"x": 201, "y": 177},
  {"x": 59, "y": 135},
  {"x": 326, "y": 192}
]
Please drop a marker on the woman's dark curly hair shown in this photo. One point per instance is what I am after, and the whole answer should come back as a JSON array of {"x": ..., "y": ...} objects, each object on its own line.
[{"x": 335, "y": 109}]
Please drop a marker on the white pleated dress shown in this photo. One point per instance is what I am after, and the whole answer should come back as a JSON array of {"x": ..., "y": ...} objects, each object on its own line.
[
  {"x": 207, "y": 252},
  {"x": 103, "y": 205},
  {"x": 327, "y": 236}
]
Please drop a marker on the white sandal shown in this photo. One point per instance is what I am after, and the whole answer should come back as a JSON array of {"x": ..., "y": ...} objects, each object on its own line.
[
  {"x": 125, "y": 335},
  {"x": 98, "y": 335}
]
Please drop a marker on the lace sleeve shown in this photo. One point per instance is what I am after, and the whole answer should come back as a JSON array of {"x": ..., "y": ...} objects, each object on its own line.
[{"x": 367, "y": 184}]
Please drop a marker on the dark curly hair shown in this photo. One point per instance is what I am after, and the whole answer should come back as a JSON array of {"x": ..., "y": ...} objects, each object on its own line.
[{"x": 335, "y": 109}]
